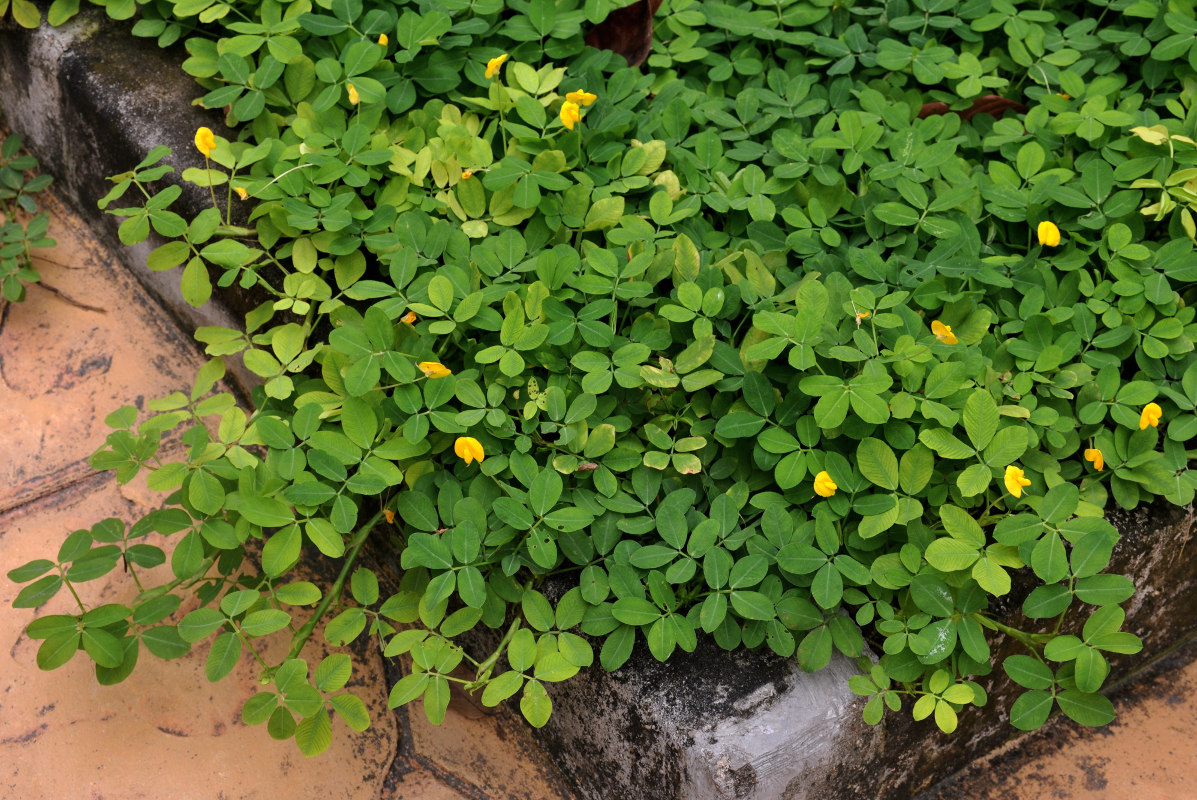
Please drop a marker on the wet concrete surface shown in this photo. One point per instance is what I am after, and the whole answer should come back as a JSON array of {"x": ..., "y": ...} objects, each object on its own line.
[{"x": 86, "y": 342}]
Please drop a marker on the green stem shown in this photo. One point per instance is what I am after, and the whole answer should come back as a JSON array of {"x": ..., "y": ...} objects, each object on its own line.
[
  {"x": 1014, "y": 633},
  {"x": 334, "y": 594},
  {"x": 487, "y": 666}
]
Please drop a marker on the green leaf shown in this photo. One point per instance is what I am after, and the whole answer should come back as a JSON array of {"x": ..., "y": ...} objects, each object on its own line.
[
  {"x": 877, "y": 462},
  {"x": 58, "y": 649},
  {"x": 1031, "y": 710},
  {"x": 265, "y": 622},
  {"x": 932, "y": 596},
  {"x": 269, "y": 512},
  {"x": 545, "y": 491},
  {"x": 635, "y": 611},
  {"x": 313, "y": 735},
  {"x": 752, "y": 605},
  {"x": 281, "y": 551},
  {"x": 991, "y": 576},
  {"x": 960, "y": 525},
  {"x": 1093, "y": 710},
  {"x": 501, "y": 687},
  {"x": 1060, "y": 503},
  {"x": 980, "y": 418},
  {"x": 605, "y": 213},
  {"x": 1028, "y": 672},
  {"x": 352, "y": 710},
  {"x": 224, "y": 655},
  {"x": 1049, "y": 560},
  {"x": 949, "y": 555},
  {"x": 535, "y": 704}
]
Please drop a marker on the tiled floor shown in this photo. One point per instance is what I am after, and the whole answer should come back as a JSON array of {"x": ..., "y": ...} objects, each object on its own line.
[{"x": 69, "y": 355}]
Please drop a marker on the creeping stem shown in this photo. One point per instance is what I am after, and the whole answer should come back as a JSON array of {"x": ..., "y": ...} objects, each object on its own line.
[{"x": 334, "y": 594}]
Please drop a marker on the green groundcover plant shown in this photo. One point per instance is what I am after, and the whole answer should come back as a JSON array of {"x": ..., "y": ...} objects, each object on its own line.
[
  {"x": 734, "y": 344},
  {"x": 22, "y": 228}
]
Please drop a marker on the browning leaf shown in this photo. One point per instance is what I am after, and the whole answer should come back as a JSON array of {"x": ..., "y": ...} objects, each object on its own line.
[
  {"x": 627, "y": 31},
  {"x": 989, "y": 104}
]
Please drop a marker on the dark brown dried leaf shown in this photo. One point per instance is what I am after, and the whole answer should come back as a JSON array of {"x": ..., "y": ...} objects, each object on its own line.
[{"x": 627, "y": 31}]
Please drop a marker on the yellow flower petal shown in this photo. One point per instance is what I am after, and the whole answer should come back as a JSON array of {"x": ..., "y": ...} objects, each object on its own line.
[
  {"x": 469, "y": 449},
  {"x": 570, "y": 114},
  {"x": 409, "y": 318},
  {"x": 434, "y": 369},
  {"x": 354, "y": 97},
  {"x": 1049, "y": 234},
  {"x": 1151, "y": 416},
  {"x": 1094, "y": 455},
  {"x": 1015, "y": 480},
  {"x": 824, "y": 485},
  {"x": 494, "y": 65},
  {"x": 581, "y": 97},
  {"x": 466, "y": 174},
  {"x": 943, "y": 332},
  {"x": 383, "y": 40},
  {"x": 241, "y": 192},
  {"x": 205, "y": 141},
  {"x": 390, "y": 515}
]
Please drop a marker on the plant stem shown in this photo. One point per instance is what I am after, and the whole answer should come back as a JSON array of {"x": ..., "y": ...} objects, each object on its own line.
[{"x": 334, "y": 594}]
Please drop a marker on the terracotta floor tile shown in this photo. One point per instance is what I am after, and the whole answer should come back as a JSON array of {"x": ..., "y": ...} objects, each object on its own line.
[
  {"x": 66, "y": 365},
  {"x": 1148, "y": 753},
  {"x": 166, "y": 732}
]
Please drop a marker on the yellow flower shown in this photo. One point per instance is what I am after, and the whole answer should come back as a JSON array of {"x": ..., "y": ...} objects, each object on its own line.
[
  {"x": 469, "y": 449},
  {"x": 581, "y": 97},
  {"x": 410, "y": 318},
  {"x": 1094, "y": 455},
  {"x": 382, "y": 40},
  {"x": 205, "y": 141},
  {"x": 1015, "y": 480},
  {"x": 494, "y": 65},
  {"x": 1064, "y": 95},
  {"x": 244, "y": 195},
  {"x": 570, "y": 114},
  {"x": 1049, "y": 234},
  {"x": 435, "y": 369},
  {"x": 354, "y": 97},
  {"x": 824, "y": 485},
  {"x": 1151, "y": 416},
  {"x": 390, "y": 515},
  {"x": 943, "y": 332},
  {"x": 466, "y": 174}
]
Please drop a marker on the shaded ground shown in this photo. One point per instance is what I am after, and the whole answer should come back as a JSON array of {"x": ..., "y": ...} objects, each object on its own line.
[{"x": 69, "y": 355}]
